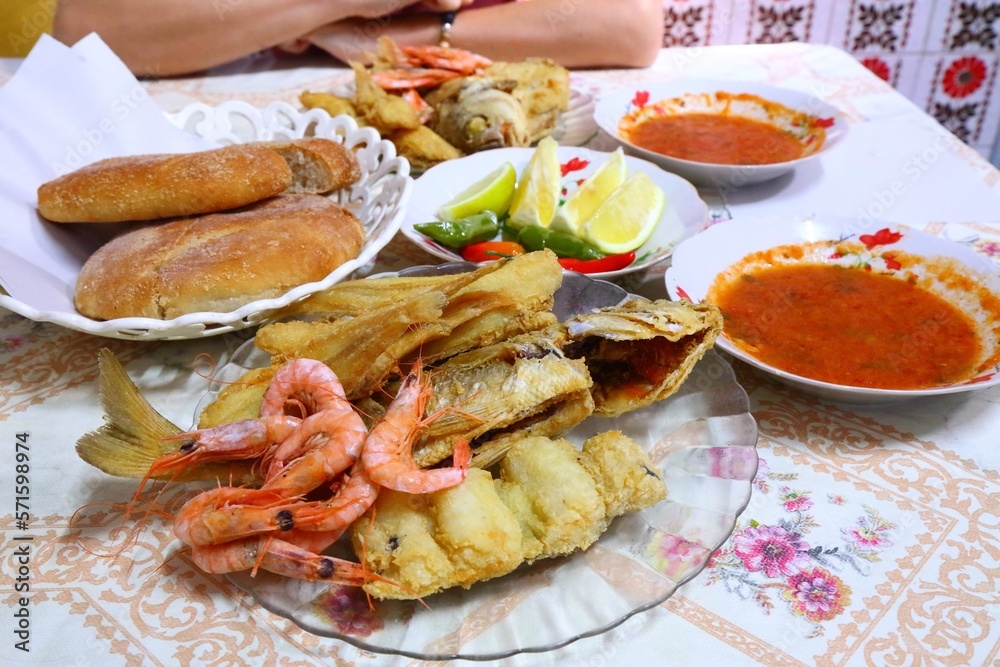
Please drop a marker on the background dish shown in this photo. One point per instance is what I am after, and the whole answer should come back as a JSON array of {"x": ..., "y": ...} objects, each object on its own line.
[
  {"x": 699, "y": 260},
  {"x": 683, "y": 216},
  {"x": 704, "y": 438},
  {"x": 576, "y": 124},
  {"x": 378, "y": 199},
  {"x": 611, "y": 108}
]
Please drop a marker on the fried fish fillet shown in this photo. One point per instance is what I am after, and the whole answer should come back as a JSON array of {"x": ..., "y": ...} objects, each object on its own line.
[{"x": 550, "y": 499}]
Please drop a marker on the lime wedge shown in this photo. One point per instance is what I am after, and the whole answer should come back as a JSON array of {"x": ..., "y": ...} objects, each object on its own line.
[
  {"x": 624, "y": 220},
  {"x": 537, "y": 193},
  {"x": 493, "y": 193},
  {"x": 595, "y": 189}
]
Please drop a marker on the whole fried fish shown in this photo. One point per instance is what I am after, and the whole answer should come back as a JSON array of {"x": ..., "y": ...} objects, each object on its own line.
[{"x": 478, "y": 113}]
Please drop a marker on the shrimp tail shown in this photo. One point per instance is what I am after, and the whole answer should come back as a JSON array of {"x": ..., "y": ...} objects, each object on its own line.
[{"x": 462, "y": 455}]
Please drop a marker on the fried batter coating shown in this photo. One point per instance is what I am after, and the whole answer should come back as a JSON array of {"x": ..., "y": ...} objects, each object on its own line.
[{"x": 550, "y": 499}]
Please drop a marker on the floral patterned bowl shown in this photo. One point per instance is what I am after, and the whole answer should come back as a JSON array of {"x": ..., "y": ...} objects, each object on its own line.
[
  {"x": 872, "y": 246},
  {"x": 803, "y": 115}
]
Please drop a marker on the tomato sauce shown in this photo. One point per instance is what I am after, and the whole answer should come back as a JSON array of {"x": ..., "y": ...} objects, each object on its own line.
[
  {"x": 716, "y": 138},
  {"x": 848, "y": 326}
]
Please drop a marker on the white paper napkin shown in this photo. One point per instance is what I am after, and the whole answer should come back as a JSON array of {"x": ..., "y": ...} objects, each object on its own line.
[{"x": 65, "y": 108}]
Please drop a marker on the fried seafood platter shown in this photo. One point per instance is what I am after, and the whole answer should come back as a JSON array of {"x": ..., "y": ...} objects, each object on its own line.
[
  {"x": 418, "y": 427},
  {"x": 437, "y": 103}
]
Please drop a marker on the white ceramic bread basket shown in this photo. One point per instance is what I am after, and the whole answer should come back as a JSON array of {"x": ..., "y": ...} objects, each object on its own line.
[{"x": 378, "y": 199}]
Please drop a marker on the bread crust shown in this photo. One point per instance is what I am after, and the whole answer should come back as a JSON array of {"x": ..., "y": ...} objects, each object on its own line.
[
  {"x": 147, "y": 187},
  {"x": 218, "y": 262},
  {"x": 318, "y": 165}
]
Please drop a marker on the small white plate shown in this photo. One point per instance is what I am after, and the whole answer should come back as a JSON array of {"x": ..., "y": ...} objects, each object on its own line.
[
  {"x": 699, "y": 96},
  {"x": 683, "y": 216},
  {"x": 700, "y": 260}
]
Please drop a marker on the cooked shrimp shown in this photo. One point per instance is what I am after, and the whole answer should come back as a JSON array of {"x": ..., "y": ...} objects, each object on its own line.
[
  {"x": 331, "y": 441},
  {"x": 388, "y": 451},
  {"x": 306, "y": 386},
  {"x": 189, "y": 524},
  {"x": 247, "y": 439},
  {"x": 280, "y": 557},
  {"x": 222, "y": 523},
  {"x": 334, "y": 414}
]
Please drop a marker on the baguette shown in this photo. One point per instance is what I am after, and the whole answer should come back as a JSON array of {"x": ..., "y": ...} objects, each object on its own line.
[
  {"x": 218, "y": 262},
  {"x": 147, "y": 187},
  {"x": 318, "y": 165}
]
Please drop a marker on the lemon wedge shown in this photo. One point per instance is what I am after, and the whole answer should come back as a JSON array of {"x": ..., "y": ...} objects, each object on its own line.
[
  {"x": 493, "y": 193},
  {"x": 624, "y": 220},
  {"x": 582, "y": 204},
  {"x": 537, "y": 193}
]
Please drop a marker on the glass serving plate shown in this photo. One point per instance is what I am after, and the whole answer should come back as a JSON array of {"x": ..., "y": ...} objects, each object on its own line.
[{"x": 703, "y": 438}]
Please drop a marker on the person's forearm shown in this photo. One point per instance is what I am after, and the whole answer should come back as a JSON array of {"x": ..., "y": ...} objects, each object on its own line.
[
  {"x": 166, "y": 37},
  {"x": 575, "y": 33}
]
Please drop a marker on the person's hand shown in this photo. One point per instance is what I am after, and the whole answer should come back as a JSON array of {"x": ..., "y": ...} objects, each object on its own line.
[{"x": 345, "y": 40}]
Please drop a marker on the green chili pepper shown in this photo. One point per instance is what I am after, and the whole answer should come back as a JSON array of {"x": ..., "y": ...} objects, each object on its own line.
[
  {"x": 561, "y": 243},
  {"x": 459, "y": 233}
]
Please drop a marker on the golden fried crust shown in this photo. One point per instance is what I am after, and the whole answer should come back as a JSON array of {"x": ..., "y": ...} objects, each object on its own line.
[
  {"x": 218, "y": 262},
  {"x": 147, "y": 187},
  {"x": 550, "y": 499}
]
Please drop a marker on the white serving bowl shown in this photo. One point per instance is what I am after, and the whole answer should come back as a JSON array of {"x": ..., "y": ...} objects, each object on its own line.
[
  {"x": 687, "y": 96},
  {"x": 684, "y": 214},
  {"x": 700, "y": 260}
]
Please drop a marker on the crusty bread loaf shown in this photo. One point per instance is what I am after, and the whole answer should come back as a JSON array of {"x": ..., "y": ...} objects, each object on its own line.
[
  {"x": 147, "y": 187},
  {"x": 318, "y": 165},
  {"x": 218, "y": 262}
]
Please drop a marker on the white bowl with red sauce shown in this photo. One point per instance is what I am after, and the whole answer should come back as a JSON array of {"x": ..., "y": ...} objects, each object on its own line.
[
  {"x": 723, "y": 133},
  {"x": 793, "y": 291}
]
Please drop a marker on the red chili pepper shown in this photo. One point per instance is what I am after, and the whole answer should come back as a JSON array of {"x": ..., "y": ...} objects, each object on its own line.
[
  {"x": 609, "y": 263},
  {"x": 487, "y": 251}
]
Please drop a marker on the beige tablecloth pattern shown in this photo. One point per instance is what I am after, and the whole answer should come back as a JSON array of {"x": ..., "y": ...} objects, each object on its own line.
[{"x": 871, "y": 536}]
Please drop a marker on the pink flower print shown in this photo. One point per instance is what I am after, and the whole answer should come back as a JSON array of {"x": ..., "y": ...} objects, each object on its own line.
[
  {"x": 869, "y": 533},
  {"x": 760, "y": 479},
  {"x": 836, "y": 499},
  {"x": 772, "y": 549},
  {"x": 347, "y": 607},
  {"x": 795, "y": 501},
  {"x": 816, "y": 594},
  {"x": 673, "y": 555},
  {"x": 988, "y": 248},
  {"x": 11, "y": 343}
]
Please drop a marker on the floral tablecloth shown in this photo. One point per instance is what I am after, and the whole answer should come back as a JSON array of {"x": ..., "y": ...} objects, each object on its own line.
[{"x": 872, "y": 535}]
